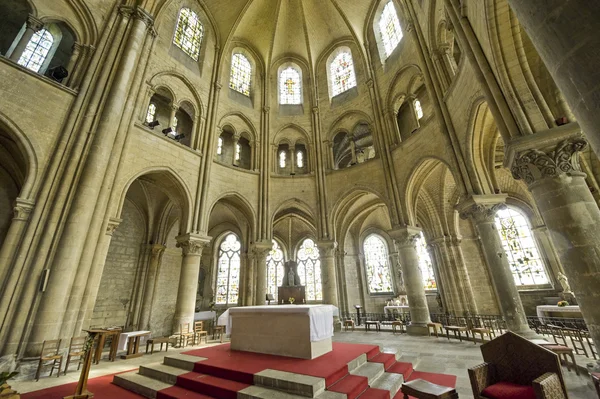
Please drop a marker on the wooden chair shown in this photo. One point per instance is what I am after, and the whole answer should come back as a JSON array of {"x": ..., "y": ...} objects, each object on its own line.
[
  {"x": 456, "y": 329},
  {"x": 186, "y": 335},
  {"x": 577, "y": 343},
  {"x": 372, "y": 323},
  {"x": 349, "y": 323},
  {"x": 220, "y": 331},
  {"x": 513, "y": 363},
  {"x": 75, "y": 350},
  {"x": 437, "y": 328},
  {"x": 476, "y": 327},
  {"x": 564, "y": 352},
  {"x": 50, "y": 353},
  {"x": 398, "y": 324},
  {"x": 199, "y": 332}
]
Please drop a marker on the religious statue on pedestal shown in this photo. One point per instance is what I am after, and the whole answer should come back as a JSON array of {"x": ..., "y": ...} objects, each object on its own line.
[
  {"x": 291, "y": 278},
  {"x": 567, "y": 294}
]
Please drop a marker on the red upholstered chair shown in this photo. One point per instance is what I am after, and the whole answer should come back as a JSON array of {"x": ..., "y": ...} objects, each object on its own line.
[{"x": 515, "y": 368}]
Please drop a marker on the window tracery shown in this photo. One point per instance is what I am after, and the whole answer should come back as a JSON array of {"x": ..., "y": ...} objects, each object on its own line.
[
  {"x": 377, "y": 265},
  {"x": 342, "y": 73},
  {"x": 425, "y": 264},
  {"x": 309, "y": 269},
  {"x": 390, "y": 29},
  {"x": 189, "y": 33},
  {"x": 290, "y": 86},
  {"x": 275, "y": 270},
  {"x": 228, "y": 271},
  {"x": 37, "y": 50},
  {"x": 241, "y": 72},
  {"x": 523, "y": 256}
]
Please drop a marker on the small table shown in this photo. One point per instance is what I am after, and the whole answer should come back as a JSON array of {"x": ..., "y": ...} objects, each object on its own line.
[
  {"x": 152, "y": 341},
  {"x": 102, "y": 334},
  {"x": 368, "y": 325},
  {"x": 421, "y": 389},
  {"x": 133, "y": 343}
]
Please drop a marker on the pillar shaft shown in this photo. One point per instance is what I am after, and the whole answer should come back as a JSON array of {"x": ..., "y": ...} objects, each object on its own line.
[
  {"x": 260, "y": 252},
  {"x": 327, "y": 251},
  {"x": 33, "y": 25},
  {"x": 72, "y": 62},
  {"x": 156, "y": 253},
  {"x": 11, "y": 242}
]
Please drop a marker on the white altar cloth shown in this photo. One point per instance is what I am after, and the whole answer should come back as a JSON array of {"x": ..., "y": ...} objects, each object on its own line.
[
  {"x": 401, "y": 308},
  {"x": 544, "y": 310},
  {"x": 321, "y": 317},
  {"x": 124, "y": 338}
]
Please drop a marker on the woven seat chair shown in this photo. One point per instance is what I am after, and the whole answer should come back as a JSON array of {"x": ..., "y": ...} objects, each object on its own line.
[
  {"x": 50, "y": 354},
  {"x": 515, "y": 367},
  {"x": 75, "y": 350},
  {"x": 199, "y": 332}
]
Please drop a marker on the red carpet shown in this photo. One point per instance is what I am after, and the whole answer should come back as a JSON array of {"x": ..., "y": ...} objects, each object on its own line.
[
  {"x": 176, "y": 392},
  {"x": 374, "y": 393},
  {"x": 351, "y": 385},
  {"x": 101, "y": 387},
  {"x": 388, "y": 359},
  {"x": 402, "y": 368}
]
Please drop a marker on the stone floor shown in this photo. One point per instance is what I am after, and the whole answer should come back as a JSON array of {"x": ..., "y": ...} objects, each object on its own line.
[{"x": 438, "y": 355}]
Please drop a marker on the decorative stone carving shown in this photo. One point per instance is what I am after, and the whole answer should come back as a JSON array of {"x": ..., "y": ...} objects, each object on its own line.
[
  {"x": 327, "y": 248},
  {"x": 126, "y": 11},
  {"x": 34, "y": 24},
  {"x": 157, "y": 251},
  {"x": 482, "y": 212},
  {"x": 405, "y": 237},
  {"x": 144, "y": 16},
  {"x": 22, "y": 209},
  {"x": 534, "y": 165},
  {"x": 192, "y": 245},
  {"x": 112, "y": 225},
  {"x": 564, "y": 282}
]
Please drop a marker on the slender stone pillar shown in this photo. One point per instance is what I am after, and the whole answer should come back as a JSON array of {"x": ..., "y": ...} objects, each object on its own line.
[
  {"x": 32, "y": 26},
  {"x": 328, "y": 275},
  {"x": 22, "y": 210},
  {"x": 72, "y": 62},
  {"x": 250, "y": 276},
  {"x": 565, "y": 33},
  {"x": 397, "y": 271},
  {"x": 482, "y": 210},
  {"x": 156, "y": 253},
  {"x": 260, "y": 251},
  {"x": 352, "y": 149},
  {"x": 192, "y": 246},
  {"x": 572, "y": 217},
  {"x": 405, "y": 240}
]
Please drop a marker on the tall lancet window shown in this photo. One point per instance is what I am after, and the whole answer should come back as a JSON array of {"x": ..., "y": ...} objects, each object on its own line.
[
  {"x": 377, "y": 265},
  {"x": 290, "y": 86},
  {"x": 241, "y": 72},
  {"x": 425, "y": 264},
  {"x": 342, "y": 73},
  {"x": 522, "y": 253},
  {"x": 189, "y": 33},
  {"x": 151, "y": 114},
  {"x": 37, "y": 50},
  {"x": 309, "y": 269},
  {"x": 275, "y": 270},
  {"x": 389, "y": 27},
  {"x": 228, "y": 271},
  {"x": 418, "y": 109}
]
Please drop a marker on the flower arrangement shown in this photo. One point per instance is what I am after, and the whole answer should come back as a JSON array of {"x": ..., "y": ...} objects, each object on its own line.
[
  {"x": 562, "y": 304},
  {"x": 292, "y": 300}
]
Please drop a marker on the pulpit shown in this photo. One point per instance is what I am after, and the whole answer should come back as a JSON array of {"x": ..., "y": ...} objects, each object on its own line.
[{"x": 298, "y": 293}]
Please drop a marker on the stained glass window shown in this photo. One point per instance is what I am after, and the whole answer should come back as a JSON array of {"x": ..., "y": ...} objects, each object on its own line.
[
  {"x": 151, "y": 114},
  {"x": 37, "y": 50},
  {"x": 174, "y": 127},
  {"x": 290, "y": 86},
  {"x": 300, "y": 159},
  {"x": 418, "y": 109},
  {"x": 275, "y": 270},
  {"x": 189, "y": 33},
  {"x": 521, "y": 250},
  {"x": 220, "y": 146},
  {"x": 425, "y": 264},
  {"x": 309, "y": 269},
  {"x": 342, "y": 73},
  {"x": 282, "y": 159},
  {"x": 377, "y": 265},
  {"x": 241, "y": 71},
  {"x": 238, "y": 152},
  {"x": 228, "y": 273},
  {"x": 389, "y": 26}
]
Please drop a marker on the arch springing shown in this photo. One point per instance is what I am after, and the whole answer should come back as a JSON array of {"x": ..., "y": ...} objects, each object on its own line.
[
  {"x": 275, "y": 270},
  {"x": 241, "y": 72},
  {"x": 342, "y": 73},
  {"x": 290, "y": 86},
  {"x": 389, "y": 28},
  {"x": 309, "y": 269},
  {"x": 228, "y": 271},
  {"x": 379, "y": 278},
  {"x": 522, "y": 253},
  {"x": 189, "y": 33},
  {"x": 425, "y": 264},
  {"x": 37, "y": 50}
]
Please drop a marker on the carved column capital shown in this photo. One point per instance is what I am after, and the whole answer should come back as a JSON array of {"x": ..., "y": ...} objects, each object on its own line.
[
  {"x": 22, "y": 209},
  {"x": 218, "y": 86},
  {"x": 406, "y": 236},
  {"x": 112, "y": 225},
  {"x": 34, "y": 24},
  {"x": 266, "y": 110},
  {"x": 481, "y": 208},
  {"x": 534, "y": 165},
  {"x": 260, "y": 249},
  {"x": 144, "y": 16},
  {"x": 370, "y": 83},
  {"x": 157, "y": 250},
  {"x": 327, "y": 248},
  {"x": 315, "y": 110},
  {"x": 192, "y": 244}
]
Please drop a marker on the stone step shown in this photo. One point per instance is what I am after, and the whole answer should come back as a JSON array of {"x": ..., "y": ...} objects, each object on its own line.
[
  {"x": 297, "y": 384},
  {"x": 256, "y": 392},
  {"x": 370, "y": 370},
  {"x": 140, "y": 384},
  {"x": 162, "y": 372},
  {"x": 181, "y": 361},
  {"x": 356, "y": 363},
  {"x": 389, "y": 382}
]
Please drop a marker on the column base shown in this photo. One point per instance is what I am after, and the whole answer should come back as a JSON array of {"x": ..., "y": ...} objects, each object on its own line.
[{"x": 417, "y": 329}]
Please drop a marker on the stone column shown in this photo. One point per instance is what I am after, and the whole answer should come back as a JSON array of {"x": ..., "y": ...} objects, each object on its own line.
[
  {"x": 482, "y": 210},
  {"x": 558, "y": 186},
  {"x": 352, "y": 149},
  {"x": 260, "y": 251},
  {"x": 22, "y": 210},
  {"x": 397, "y": 271},
  {"x": 72, "y": 62},
  {"x": 250, "y": 274},
  {"x": 156, "y": 253},
  {"x": 292, "y": 160},
  {"x": 328, "y": 275},
  {"x": 192, "y": 246},
  {"x": 566, "y": 36},
  {"x": 405, "y": 240},
  {"x": 33, "y": 25}
]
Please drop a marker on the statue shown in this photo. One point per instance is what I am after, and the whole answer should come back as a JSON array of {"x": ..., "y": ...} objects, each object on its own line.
[
  {"x": 564, "y": 282},
  {"x": 291, "y": 277}
]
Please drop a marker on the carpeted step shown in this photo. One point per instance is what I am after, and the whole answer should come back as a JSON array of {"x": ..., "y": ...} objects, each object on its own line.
[
  {"x": 370, "y": 370},
  {"x": 297, "y": 384},
  {"x": 387, "y": 359},
  {"x": 373, "y": 393},
  {"x": 390, "y": 382},
  {"x": 140, "y": 384},
  {"x": 182, "y": 361},
  {"x": 256, "y": 392},
  {"x": 176, "y": 392},
  {"x": 373, "y": 352},
  {"x": 244, "y": 377},
  {"x": 162, "y": 372},
  {"x": 403, "y": 368},
  {"x": 210, "y": 385},
  {"x": 351, "y": 385}
]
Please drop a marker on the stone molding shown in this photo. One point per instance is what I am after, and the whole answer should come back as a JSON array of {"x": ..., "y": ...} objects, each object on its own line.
[
  {"x": 112, "y": 225},
  {"x": 34, "y": 23},
  {"x": 192, "y": 244},
  {"x": 405, "y": 236},
  {"x": 157, "y": 250},
  {"x": 260, "y": 249},
  {"x": 144, "y": 16},
  {"x": 327, "y": 248},
  {"x": 22, "y": 209},
  {"x": 534, "y": 165},
  {"x": 482, "y": 208}
]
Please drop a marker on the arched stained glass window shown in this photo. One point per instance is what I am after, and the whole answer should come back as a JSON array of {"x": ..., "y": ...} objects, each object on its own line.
[
  {"x": 309, "y": 269},
  {"x": 275, "y": 270},
  {"x": 282, "y": 159},
  {"x": 377, "y": 265},
  {"x": 425, "y": 264},
  {"x": 174, "y": 127},
  {"x": 389, "y": 26},
  {"x": 238, "y": 152},
  {"x": 151, "y": 114},
  {"x": 220, "y": 146},
  {"x": 521, "y": 250},
  {"x": 342, "y": 73},
  {"x": 241, "y": 72},
  {"x": 418, "y": 109},
  {"x": 228, "y": 272},
  {"x": 37, "y": 50},
  {"x": 189, "y": 33},
  {"x": 290, "y": 86},
  {"x": 300, "y": 159}
]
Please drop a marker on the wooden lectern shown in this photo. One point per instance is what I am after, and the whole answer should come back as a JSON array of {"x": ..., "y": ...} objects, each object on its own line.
[{"x": 81, "y": 391}]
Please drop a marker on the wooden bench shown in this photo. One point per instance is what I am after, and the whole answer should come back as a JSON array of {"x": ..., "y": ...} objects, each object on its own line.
[
  {"x": 455, "y": 330},
  {"x": 421, "y": 389},
  {"x": 152, "y": 341},
  {"x": 368, "y": 325}
]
